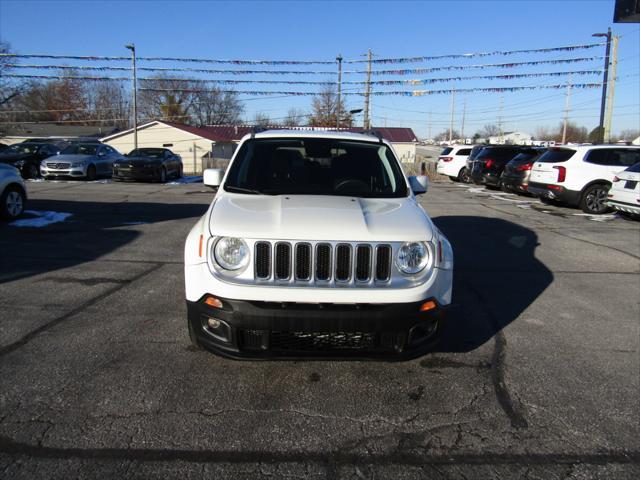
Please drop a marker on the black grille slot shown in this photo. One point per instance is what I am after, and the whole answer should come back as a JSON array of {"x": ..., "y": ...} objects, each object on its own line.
[
  {"x": 323, "y": 262},
  {"x": 263, "y": 259},
  {"x": 303, "y": 261},
  {"x": 283, "y": 261},
  {"x": 383, "y": 263},
  {"x": 363, "y": 263},
  {"x": 343, "y": 262},
  {"x": 322, "y": 341}
]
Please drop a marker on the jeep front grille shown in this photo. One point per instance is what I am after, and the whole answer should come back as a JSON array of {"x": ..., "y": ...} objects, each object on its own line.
[{"x": 322, "y": 263}]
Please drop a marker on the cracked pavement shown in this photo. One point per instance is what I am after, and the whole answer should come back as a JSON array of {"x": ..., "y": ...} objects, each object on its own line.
[{"x": 537, "y": 374}]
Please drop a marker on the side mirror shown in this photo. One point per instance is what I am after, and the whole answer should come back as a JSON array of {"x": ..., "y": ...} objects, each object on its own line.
[
  {"x": 212, "y": 177},
  {"x": 419, "y": 184}
]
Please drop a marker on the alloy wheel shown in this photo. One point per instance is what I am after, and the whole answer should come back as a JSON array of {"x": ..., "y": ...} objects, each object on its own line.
[
  {"x": 595, "y": 200},
  {"x": 14, "y": 204}
]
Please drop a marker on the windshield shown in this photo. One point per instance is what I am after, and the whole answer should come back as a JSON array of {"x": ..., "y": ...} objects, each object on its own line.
[
  {"x": 81, "y": 149},
  {"x": 147, "y": 152},
  {"x": 23, "y": 148},
  {"x": 316, "y": 166},
  {"x": 556, "y": 155}
]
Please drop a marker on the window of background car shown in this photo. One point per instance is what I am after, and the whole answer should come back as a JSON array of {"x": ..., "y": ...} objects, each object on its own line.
[
  {"x": 556, "y": 155},
  {"x": 446, "y": 151},
  {"x": 464, "y": 151},
  {"x": 81, "y": 149},
  {"x": 634, "y": 168},
  {"x": 616, "y": 157},
  {"x": 316, "y": 167}
]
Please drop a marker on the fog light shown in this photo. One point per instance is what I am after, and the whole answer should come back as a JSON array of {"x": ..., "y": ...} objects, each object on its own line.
[
  {"x": 213, "y": 302},
  {"x": 428, "y": 305},
  {"x": 213, "y": 323}
]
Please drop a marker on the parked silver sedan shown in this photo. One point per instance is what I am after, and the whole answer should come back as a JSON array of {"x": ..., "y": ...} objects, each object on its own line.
[{"x": 81, "y": 160}]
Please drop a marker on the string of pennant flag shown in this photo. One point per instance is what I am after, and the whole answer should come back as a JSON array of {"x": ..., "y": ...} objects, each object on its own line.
[
  {"x": 423, "y": 81},
  {"x": 397, "y": 60}
]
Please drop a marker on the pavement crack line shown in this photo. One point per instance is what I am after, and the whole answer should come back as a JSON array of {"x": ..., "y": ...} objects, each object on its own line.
[
  {"x": 511, "y": 409},
  {"x": 47, "y": 326},
  {"x": 595, "y": 244}
]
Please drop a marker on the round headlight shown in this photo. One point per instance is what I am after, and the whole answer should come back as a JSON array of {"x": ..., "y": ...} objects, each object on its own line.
[
  {"x": 412, "y": 257},
  {"x": 231, "y": 253}
]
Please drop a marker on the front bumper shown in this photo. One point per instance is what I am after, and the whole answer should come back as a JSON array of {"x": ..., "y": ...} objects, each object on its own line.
[
  {"x": 555, "y": 192},
  {"x": 258, "y": 329},
  {"x": 135, "y": 174},
  {"x": 77, "y": 172}
]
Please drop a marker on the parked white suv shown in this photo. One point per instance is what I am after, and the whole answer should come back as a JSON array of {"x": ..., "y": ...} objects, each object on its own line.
[
  {"x": 13, "y": 193},
  {"x": 624, "y": 194},
  {"x": 581, "y": 175},
  {"x": 453, "y": 163},
  {"x": 316, "y": 245}
]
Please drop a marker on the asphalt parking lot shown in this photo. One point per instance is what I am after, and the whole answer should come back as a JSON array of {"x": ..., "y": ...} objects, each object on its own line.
[{"x": 537, "y": 374}]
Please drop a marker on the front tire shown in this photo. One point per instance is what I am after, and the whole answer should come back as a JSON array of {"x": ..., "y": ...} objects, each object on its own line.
[
  {"x": 12, "y": 202},
  {"x": 91, "y": 173},
  {"x": 593, "y": 199}
]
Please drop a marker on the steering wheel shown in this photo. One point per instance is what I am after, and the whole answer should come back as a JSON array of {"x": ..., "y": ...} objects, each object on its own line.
[{"x": 351, "y": 185}]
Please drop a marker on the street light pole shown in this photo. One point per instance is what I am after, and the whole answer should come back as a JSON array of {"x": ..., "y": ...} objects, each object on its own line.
[
  {"x": 132, "y": 47},
  {"x": 605, "y": 81},
  {"x": 339, "y": 59}
]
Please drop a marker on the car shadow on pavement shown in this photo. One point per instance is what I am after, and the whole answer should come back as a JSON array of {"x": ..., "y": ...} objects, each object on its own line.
[
  {"x": 93, "y": 230},
  {"x": 496, "y": 277}
]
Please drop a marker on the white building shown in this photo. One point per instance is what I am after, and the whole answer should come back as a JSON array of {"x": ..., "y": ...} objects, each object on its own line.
[
  {"x": 213, "y": 145},
  {"x": 511, "y": 138}
]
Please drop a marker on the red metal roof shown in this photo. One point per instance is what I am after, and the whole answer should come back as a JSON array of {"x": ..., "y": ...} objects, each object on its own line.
[{"x": 230, "y": 133}]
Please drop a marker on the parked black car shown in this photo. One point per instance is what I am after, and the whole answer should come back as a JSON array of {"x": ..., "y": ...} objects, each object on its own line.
[
  {"x": 26, "y": 157},
  {"x": 3, "y": 147},
  {"x": 153, "y": 164},
  {"x": 515, "y": 177},
  {"x": 489, "y": 164}
]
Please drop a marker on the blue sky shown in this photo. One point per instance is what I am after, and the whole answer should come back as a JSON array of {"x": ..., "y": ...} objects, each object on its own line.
[{"x": 320, "y": 30}]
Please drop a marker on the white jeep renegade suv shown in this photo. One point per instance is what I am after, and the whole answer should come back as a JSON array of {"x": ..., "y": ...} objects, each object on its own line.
[{"x": 316, "y": 245}]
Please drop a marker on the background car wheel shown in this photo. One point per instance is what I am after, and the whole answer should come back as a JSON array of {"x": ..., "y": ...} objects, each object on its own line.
[
  {"x": 594, "y": 198},
  {"x": 504, "y": 188},
  {"x": 12, "y": 202},
  {"x": 463, "y": 176},
  {"x": 163, "y": 175},
  {"x": 179, "y": 174},
  {"x": 91, "y": 173},
  {"x": 33, "y": 171}
]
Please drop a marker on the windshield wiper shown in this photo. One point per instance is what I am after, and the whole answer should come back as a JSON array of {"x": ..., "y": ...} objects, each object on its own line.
[{"x": 231, "y": 188}]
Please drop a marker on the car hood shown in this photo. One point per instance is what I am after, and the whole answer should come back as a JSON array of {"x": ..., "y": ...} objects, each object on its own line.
[
  {"x": 139, "y": 161},
  {"x": 319, "y": 217},
  {"x": 71, "y": 158}
]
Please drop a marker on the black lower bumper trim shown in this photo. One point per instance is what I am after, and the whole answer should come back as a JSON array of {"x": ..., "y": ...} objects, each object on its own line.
[{"x": 247, "y": 329}]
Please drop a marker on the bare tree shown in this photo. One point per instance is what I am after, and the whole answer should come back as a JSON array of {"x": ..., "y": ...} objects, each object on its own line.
[
  {"x": 9, "y": 89},
  {"x": 325, "y": 109},
  {"x": 211, "y": 106},
  {"x": 109, "y": 102},
  {"x": 166, "y": 98},
  {"x": 261, "y": 119},
  {"x": 629, "y": 135},
  {"x": 294, "y": 118},
  {"x": 543, "y": 133},
  {"x": 489, "y": 130}
]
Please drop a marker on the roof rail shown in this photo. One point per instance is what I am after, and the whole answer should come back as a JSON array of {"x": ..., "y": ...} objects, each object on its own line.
[
  {"x": 375, "y": 133},
  {"x": 257, "y": 129}
]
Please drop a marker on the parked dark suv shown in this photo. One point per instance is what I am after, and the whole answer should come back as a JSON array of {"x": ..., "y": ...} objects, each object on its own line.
[
  {"x": 515, "y": 177},
  {"x": 26, "y": 157},
  {"x": 489, "y": 164}
]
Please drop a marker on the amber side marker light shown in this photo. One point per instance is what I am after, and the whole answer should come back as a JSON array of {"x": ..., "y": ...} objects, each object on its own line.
[
  {"x": 200, "y": 247},
  {"x": 213, "y": 302},
  {"x": 428, "y": 305}
]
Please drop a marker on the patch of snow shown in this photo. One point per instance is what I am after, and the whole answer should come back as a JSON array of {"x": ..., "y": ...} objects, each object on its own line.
[
  {"x": 42, "y": 219},
  {"x": 34, "y": 180}
]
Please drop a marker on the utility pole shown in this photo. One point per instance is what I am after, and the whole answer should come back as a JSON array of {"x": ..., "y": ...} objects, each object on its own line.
[
  {"x": 566, "y": 112},
  {"x": 367, "y": 93},
  {"x": 429, "y": 137},
  {"x": 605, "y": 81},
  {"x": 339, "y": 59},
  {"x": 500, "y": 119},
  {"x": 132, "y": 47},
  {"x": 453, "y": 107},
  {"x": 612, "y": 89},
  {"x": 464, "y": 112}
]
